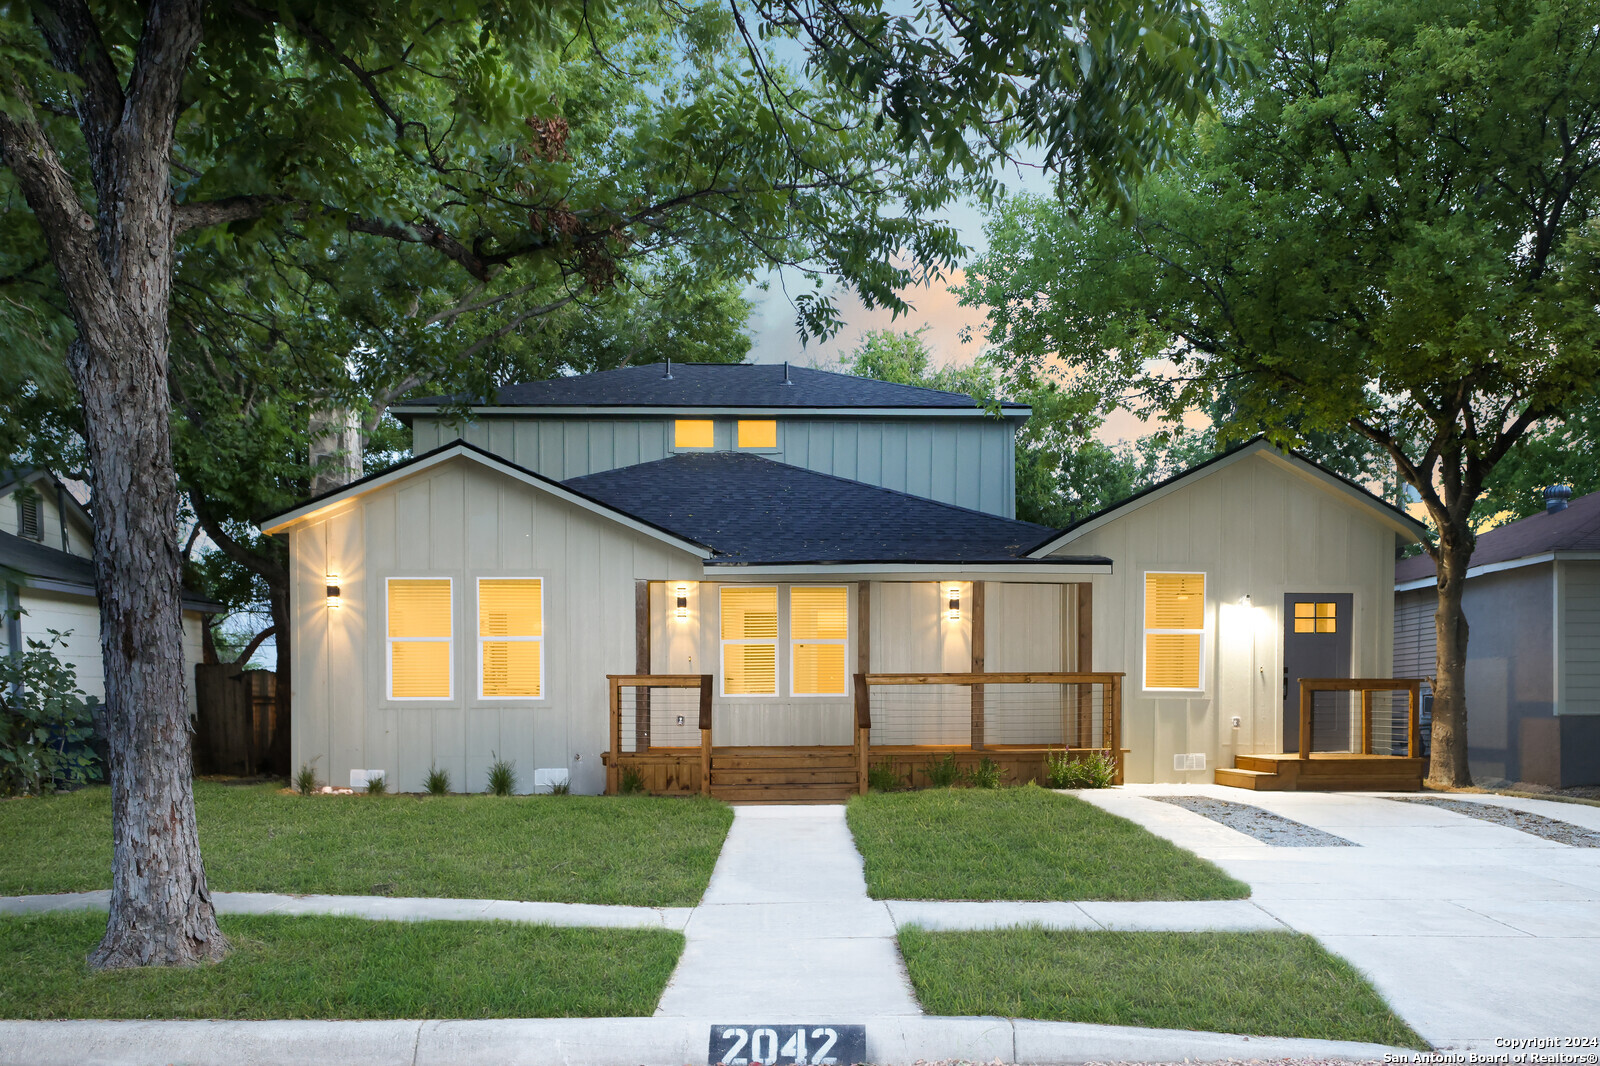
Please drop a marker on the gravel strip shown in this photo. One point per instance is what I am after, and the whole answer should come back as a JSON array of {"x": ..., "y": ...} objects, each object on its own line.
[
  {"x": 1537, "y": 824},
  {"x": 1269, "y": 828}
]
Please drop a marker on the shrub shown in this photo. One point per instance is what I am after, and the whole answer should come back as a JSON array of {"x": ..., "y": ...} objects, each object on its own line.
[
  {"x": 631, "y": 783},
  {"x": 1097, "y": 770},
  {"x": 502, "y": 777},
  {"x": 944, "y": 772},
  {"x": 882, "y": 777},
  {"x": 437, "y": 782},
  {"x": 305, "y": 782},
  {"x": 46, "y": 721},
  {"x": 378, "y": 786},
  {"x": 987, "y": 774},
  {"x": 561, "y": 788}
]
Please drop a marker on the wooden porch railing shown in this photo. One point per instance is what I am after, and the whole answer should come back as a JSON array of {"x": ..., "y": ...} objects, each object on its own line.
[
  {"x": 1366, "y": 686},
  {"x": 1076, "y": 712},
  {"x": 649, "y": 681}
]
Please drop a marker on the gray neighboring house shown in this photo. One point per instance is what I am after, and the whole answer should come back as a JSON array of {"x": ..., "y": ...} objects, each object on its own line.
[{"x": 1532, "y": 601}]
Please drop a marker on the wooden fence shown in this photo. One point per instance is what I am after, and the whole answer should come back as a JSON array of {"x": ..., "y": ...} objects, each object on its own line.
[{"x": 237, "y": 725}]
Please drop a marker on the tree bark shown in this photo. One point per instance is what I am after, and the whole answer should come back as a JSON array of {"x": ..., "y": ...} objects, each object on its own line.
[{"x": 1448, "y": 766}]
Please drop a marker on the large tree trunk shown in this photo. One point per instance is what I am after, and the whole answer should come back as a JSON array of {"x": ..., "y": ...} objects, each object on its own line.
[{"x": 1448, "y": 767}]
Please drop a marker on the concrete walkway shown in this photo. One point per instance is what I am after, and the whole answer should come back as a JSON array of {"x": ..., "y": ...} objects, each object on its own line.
[{"x": 1471, "y": 931}]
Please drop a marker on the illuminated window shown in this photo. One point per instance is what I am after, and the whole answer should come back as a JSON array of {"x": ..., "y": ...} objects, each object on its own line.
[
  {"x": 758, "y": 434},
  {"x": 511, "y": 638},
  {"x": 693, "y": 433},
  {"x": 420, "y": 646},
  {"x": 819, "y": 627},
  {"x": 1174, "y": 630},
  {"x": 1315, "y": 618},
  {"x": 749, "y": 641}
]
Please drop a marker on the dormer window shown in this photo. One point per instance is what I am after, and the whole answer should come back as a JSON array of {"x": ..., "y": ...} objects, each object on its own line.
[
  {"x": 694, "y": 433},
  {"x": 30, "y": 520},
  {"x": 758, "y": 433}
]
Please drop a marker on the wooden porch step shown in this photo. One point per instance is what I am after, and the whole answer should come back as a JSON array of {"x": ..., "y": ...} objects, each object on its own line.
[
  {"x": 779, "y": 793},
  {"x": 788, "y": 775},
  {"x": 1255, "y": 780}
]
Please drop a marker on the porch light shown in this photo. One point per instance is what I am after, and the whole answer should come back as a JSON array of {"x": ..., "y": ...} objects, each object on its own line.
[
  {"x": 954, "y": 611},
  {"x": 683, "y": 602},
  {"x": 333, "y": 590}
]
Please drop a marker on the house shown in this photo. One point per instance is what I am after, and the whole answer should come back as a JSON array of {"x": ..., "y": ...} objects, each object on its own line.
[
  {"x": 1532, "y": 601},
  {"x": 756, "y": 580},
  {"x": 47, "y": 566}
]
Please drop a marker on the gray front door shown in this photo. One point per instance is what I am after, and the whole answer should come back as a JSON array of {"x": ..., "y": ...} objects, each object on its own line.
[{"x": 1316, "y": 643}]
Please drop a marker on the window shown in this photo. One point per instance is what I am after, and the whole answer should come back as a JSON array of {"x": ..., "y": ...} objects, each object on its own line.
[
  {"x": 758, "y": 434},
  {"x": 749, "y": 641},
  {"x": 818, "y": 630},
  {"x": 1174, "y": 630},
  {"x": 421, "y": 663},
  {"x": 1314, "y": 618},
  {"x": 30, "y": 522},
  {"x": 511, "y": 638},
  {"x": 693, "y": 433}
]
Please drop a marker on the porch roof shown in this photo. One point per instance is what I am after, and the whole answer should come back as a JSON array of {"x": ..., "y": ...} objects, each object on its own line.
[{"x": 753, "y": 511}]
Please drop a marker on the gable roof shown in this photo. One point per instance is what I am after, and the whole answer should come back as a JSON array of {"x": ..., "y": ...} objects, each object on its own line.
[
  {"x": 1397, "y": 519},
  {"x": 1574, "y": 529},
  {"x": 35, "y": 565},
  {"x": 460, "y": 449},
  {"x": 734, "y": 386},
  {"x": 755, "y": 511},
  {"x": 14, "y": 478}
]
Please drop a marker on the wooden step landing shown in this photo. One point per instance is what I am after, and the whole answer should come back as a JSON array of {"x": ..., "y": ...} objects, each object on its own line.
[
  {"x": 1325, "y": 772},
  {"x": 783, "y": 775}
]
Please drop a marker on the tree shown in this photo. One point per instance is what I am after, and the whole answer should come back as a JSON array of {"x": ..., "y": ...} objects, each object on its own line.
[
  {"x": 1388, "y": 234},
  {"x": 139, "y": 139}
]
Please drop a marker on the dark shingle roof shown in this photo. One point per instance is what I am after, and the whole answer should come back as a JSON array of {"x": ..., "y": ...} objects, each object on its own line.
[
  {"x": 1575, "y": 529},
  {"x": 43, "y": 563},
  {"x": 753, "y": 510},
  {"x": 719, "y": 385}
]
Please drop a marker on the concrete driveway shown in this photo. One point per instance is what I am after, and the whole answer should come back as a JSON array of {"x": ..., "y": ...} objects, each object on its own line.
[{"x": 1473, "y": 932}]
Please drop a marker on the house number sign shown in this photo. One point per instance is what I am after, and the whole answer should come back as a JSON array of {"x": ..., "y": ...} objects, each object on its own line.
[{"x": 788, "y": 1045}]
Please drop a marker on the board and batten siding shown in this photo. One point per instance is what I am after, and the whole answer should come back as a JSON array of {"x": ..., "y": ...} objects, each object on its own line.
[
  {"x": 1253, "y": 526},
  {"x": 462, "y": 521},
  {"x": 1579, "y": 594},
  {"x": 969, "y": 462}
]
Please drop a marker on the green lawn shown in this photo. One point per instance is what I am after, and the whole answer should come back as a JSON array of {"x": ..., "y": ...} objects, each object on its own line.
[
  {"x": 1262, "y": 984},
  {"x": 1020, "y": 843},
  {"x": 638, "y": 850},
  {"x": 345, "y": 968}
]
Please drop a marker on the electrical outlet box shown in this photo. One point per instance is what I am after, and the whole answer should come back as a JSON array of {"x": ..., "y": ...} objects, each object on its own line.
[
  {"x": 680, "y": 719},
  {"x": 1236, "y": 721}
]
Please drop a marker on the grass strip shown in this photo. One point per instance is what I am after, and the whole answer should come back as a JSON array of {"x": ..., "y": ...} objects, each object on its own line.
[
  {"x": 1258, "y": 984},
  {"x": 1023, "y": 843},
  {"x": 639, "y": 850},
  {"x": 348, "y": 968}
]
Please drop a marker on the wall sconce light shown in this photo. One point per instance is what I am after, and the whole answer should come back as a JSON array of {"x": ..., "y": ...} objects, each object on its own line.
[
  {"x": 1246, "y": 601},
  {"x": 683, "y": 602},
  {"x": 333, "y": 590},
  {"x": 954, "y": 611}
]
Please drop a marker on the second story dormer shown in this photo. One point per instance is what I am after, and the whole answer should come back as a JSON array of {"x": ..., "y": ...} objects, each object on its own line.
[{"x": 938, "y": 445}]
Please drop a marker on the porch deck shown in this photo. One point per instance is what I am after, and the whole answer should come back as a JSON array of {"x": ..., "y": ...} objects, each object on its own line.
[{"x": 1330, "y": 771}]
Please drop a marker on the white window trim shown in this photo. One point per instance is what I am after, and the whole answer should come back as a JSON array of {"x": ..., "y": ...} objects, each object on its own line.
[
  {"x": 695, "y": 447},
  {"x": 389, "y": 642},
  {"x": 478, "y": 625},
  {"x": 795, "y": 641},
  {"x": 1203, "y": 631},
  {"x": 722, "y": 648}
]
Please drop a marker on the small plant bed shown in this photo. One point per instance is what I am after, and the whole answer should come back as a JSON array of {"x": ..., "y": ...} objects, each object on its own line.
[
  {"x": 1260, "y": 984},
  {"x": 638, "y": 850},
  {"x": 345, "y": 968},
  {"x": 1020, "y": 843}
]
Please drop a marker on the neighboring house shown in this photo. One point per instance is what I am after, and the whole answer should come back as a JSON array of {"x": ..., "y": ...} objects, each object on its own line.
[
  {"x": 47, "y": 567},
  {"x": 782, "y": 530},
  {"x": 1532, "y": 601}
]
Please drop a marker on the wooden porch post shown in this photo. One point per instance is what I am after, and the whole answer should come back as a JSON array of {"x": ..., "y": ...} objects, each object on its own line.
[
  {"x": 863, "y": 731},
  {"x": 616, "y": 738},
  {"x": 1084, "y": 665},
  {"x": 1305, "y": 719},
  {"x": 977, "y": 665},
  {"x": 1366, "y": 721},
  {"x": 1113, "y": 724},
  {"x": 705, "y": 734},
  {"x": 641, "y": 664},
  {"x": 1414, "y": 719}
]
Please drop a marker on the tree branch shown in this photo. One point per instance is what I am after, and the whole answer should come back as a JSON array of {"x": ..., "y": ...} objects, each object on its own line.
[
  {"x": 202, "y": 213},
  {"x": 250, "y": 648}
]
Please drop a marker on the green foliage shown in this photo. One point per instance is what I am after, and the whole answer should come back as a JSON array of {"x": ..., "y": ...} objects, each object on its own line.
[
  {"x": 305, "y": 780},
  {"x": 46, "y": 721},
  {"x": 630, "y": 782},
  {"x": 502, "y": 777},
  {"x": 943, "y": 773},
  {"x": 881, "y": 776},
  {"x": 437, "y": 782},
  {"x": 1096, "y": 770},
  {"x": 378, "y": 786},
  {"x": 987, "y": 774},
  {"x": 1563, "y": 453},
  {"x": 561, "y": 788}
]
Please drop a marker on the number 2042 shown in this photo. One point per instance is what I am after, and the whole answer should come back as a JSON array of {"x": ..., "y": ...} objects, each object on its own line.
[{"x": 801, "y": 1045}]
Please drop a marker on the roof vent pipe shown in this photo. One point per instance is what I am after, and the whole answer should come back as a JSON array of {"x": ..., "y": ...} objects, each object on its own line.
[
  {"x": 1556, "y": 497},
  {"x": 786, "y": 380},
  {"x": 668, "y": 375}
]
